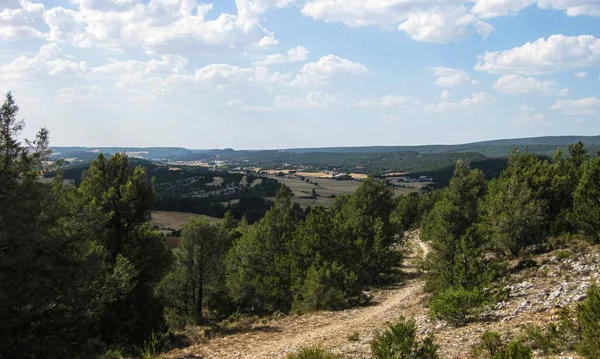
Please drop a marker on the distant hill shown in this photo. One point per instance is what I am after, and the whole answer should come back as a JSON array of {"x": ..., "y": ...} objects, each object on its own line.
[
  {"x": 495, "y": 148},
  {"x": 432, "y": 160}
]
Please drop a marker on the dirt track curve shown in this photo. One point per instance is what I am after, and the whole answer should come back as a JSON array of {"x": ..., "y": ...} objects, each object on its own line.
[{"x": 328, "y": 329}]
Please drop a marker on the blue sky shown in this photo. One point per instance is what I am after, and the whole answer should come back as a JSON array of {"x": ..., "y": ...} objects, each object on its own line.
[{"x": 252, "y": 74}]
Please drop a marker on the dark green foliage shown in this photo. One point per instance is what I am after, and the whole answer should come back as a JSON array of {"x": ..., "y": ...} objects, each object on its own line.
[
  {"x": 456, "y": 305},
  {"x": 399, "y": 342},
  {"x": 312, "y": 353},
  {"x": 198, "y": 276},
  {"x": 495, "y": 348},
  {"x": 47, "y": 266},
  {"x": 446, "y": 228},
  {"x": 588, "y": 315},
  {"x": 514, "y": 350},
  {"x": 258, "y": 264},
  {"x": 586, "y": 207}
]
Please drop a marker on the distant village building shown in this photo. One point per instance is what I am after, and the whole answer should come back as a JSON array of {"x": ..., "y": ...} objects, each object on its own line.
[{"x": 342, "y": 177}]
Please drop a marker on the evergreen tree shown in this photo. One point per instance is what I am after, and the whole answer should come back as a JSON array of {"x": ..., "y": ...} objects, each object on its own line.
[
  {"x": 448, "y": 223},
  {"x": 258, "y": 264},
  {"x": 46, "y": 265},
  {"x": 586, "y": 205},
  {"x": 116, "y": 199}
]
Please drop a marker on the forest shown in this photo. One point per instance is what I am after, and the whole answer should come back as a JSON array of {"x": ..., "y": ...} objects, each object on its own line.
[{"x": 83, "y": 274}]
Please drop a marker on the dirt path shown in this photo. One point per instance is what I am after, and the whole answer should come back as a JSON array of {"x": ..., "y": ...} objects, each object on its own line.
[{"x": 328, "y": 329}]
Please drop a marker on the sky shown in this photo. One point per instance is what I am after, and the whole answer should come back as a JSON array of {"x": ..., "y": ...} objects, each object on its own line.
[{"x": 258, "y": 74}]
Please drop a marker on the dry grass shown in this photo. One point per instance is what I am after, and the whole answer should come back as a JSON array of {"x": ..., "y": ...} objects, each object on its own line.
[
  {"x": 175, "y": 220},
  {"x": 217, "y": 181}
]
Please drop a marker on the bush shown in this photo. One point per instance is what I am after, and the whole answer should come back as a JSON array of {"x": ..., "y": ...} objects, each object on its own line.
[
  {"x": 547, "y": 341},
  {"x": 354, "y": 337},
  {"x": 399, "y": 341},
  {"x": 456, "y": 305},
  {"x": 312, "y": 353},
  {"x": 588, "y": 315},
  {"x": 493, "y": 345}
]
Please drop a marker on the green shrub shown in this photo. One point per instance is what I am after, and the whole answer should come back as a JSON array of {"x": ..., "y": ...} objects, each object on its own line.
[
  {"x": 491, "y": 343},
  {"x": 314, "y": 352},
  {"x": 588, "y": 315},
  {"x": 514, "y": 350},
  {"x": 545, "y": 340},
  {"x": 563, "y": 254},
  {"x": 494, "y": 347},
  {"x": 354, "y": 337},
  {"x": 149, "y": 349},
  {"x": 399, "y": 341},
  {"x": 456, "y": 305}
]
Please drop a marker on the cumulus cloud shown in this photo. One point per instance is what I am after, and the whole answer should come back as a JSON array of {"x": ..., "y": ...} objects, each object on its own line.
[
  {"x": 319, "y": 72},
  {"x": 157, "y": 26},
  {"x": 473, "y": 103},
  {"x": 82, "y": 93},
  {"x": 49, "y": 61},
  {"x": 296, "y": 54},
  {"x": 557, "y": 53},
  {"x": 20, "y": 18},
  {"x": 423, "y": 20},
  {"x": 584, "y": 106},
  {"x": 495, "y": 8},
  {"x": 580, "y": 75},
  {"x": 444, "y": 24},
  {"x": 519, "y": 85},
  {"x": 449, "y": 77},
  {"x": 388, "y": 101},
  {"x": 313, "y": 99},
  {"x": 527, "y": 117}
]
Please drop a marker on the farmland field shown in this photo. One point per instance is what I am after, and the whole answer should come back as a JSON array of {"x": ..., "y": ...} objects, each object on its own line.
[
  {"x": 325, "y": 188},
  {"x": 169, "y": 221}
]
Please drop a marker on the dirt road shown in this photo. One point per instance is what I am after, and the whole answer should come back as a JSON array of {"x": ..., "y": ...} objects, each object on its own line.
[{"x": 328, "y": 329}]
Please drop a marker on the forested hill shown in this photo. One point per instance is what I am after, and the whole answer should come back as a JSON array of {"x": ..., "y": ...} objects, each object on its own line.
[{"x": 495, "y": 148}]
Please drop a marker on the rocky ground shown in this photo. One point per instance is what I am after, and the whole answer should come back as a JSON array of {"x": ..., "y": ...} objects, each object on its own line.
[{"x": 534, "y": 296}]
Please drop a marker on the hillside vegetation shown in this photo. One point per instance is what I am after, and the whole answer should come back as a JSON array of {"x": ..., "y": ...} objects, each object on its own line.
[{"x": 84, "y": 275}]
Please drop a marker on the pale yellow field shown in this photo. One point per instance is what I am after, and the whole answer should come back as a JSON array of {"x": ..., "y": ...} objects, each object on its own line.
[
  {"x": 175, "y": 220},
  {"x": 327, "y": 187},
  {"x": 316, "y": 174},
  {"x": 217, "y": 181}
]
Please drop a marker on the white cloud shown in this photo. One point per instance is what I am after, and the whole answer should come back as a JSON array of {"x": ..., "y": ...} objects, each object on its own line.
[
  {"x": 473, "y": 103},
  {"x": 435, "y": 21},
  {"x": 296, "y": 54},
  {"x": 20, "y": 19},
  {"x": 49, "y": 61},
  {"x": 449, "y": 77},
  {"x": 444, "y": 24},
  {"x": 527, "y": 117},
  {"x": 313, "y": 99},
  {"x": 388, "y": 101},
  {"x": 558, "y": 53},
  {"x": 81, "y": 93},
  {"x": 519, "y": 85},
  {"x": 580, "y": 75},
  {"x": 161, "y": 26},
  {"x": 319, "y": 72},
  {"x": 495, "y": 8},
  {"x": 584, "y": 106},
  {"x": 250, "y": 108},
  {"x": 445, "y": 95}
]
